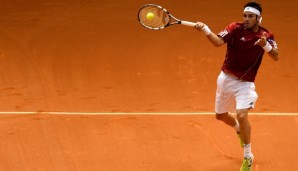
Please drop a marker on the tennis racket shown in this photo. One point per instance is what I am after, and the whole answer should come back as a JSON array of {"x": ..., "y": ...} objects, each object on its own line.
[{"x": 155, "y": 17}]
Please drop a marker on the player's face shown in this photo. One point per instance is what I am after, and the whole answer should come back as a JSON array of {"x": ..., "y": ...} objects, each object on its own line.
[{"x": 250, "y": 20}]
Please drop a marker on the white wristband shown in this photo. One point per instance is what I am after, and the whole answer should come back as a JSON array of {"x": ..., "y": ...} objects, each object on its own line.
[
  {"x": 206, "y": 30},
  {"x": 267, "y": 47}
]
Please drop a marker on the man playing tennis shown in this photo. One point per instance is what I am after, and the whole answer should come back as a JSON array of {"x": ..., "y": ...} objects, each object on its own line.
[{"x": 246, "y": 44}]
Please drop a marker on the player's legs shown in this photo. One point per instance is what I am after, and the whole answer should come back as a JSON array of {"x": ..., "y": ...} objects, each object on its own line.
[
  {"x": 229, "y": 91},
  {"x": 245, "y": 100}
]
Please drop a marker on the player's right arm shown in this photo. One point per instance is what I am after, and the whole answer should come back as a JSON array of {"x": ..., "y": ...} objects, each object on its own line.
[
  {"x": 212, "y": 37},
  {"x": 215, "y": 40}
]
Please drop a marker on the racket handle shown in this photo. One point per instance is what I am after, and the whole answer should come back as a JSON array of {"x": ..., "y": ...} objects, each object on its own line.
[{"x": 187, "y": 23}]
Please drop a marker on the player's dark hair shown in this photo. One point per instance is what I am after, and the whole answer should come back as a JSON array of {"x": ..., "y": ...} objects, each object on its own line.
[{"x": 254, "y": 5}]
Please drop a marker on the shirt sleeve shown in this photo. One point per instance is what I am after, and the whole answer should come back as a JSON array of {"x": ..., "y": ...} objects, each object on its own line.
[{"x": 227, "y": 33}]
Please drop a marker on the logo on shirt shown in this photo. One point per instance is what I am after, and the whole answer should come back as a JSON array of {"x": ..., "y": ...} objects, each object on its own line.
[{"x": 223, "y": 33}]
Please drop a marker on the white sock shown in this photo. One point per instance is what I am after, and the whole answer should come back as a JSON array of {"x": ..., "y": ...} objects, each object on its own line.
[
  {"x": 237, "y": 127},
  {"x": 247, "y": 151}
]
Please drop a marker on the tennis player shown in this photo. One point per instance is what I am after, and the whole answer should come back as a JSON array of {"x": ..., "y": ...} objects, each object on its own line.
[{"x": 246, "y": 44}]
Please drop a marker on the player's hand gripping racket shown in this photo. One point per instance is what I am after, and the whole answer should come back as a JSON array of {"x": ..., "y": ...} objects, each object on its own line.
[{"x": 156, "y": 17}]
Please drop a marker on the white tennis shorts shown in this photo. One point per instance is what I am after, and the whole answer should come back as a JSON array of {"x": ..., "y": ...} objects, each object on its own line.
[{"x": 232, "y": 94}]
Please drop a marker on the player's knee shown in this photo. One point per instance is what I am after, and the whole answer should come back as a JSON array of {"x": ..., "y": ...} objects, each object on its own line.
[{"x": 242, "y": 115}]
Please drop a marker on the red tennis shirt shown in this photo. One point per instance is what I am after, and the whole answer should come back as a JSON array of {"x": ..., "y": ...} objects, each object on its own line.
[{"x": 243, "y": 58}]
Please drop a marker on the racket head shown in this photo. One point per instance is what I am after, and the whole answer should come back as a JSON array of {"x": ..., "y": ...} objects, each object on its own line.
[{"x": 161, "y": 17}]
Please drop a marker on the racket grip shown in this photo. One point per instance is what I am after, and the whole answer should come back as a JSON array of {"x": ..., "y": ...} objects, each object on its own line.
[{"x": 187, "y": 23}]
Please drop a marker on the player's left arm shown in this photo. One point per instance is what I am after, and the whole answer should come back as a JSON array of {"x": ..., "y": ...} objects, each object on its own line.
[
  {"x": 212, "y": 37},
  {"x": 269, "y": 46}
]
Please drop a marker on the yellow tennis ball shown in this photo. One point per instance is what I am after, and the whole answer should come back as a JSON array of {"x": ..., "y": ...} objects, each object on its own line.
[{"x": 150, "y": 16}]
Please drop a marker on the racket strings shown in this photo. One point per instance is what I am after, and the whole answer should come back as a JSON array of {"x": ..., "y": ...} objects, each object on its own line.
[{"x": 159, "y": 19}]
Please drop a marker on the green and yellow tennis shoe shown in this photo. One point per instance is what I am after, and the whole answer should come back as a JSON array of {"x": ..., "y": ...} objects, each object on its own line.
[{"x": 247, "y": 164}]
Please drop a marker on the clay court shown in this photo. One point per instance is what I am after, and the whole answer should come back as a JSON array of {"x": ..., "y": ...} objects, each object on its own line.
[{"x": 85, "y": 87}]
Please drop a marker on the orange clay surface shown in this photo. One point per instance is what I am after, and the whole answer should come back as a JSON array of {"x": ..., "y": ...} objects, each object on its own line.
[{"x": 94, "y": 56}]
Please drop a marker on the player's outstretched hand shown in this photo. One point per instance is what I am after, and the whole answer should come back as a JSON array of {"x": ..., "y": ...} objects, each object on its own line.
[{"x": 262, "y": 41}]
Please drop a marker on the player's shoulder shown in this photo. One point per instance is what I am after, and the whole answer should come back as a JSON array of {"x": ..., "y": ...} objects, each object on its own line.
[{"x": 229, "y": 30}]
